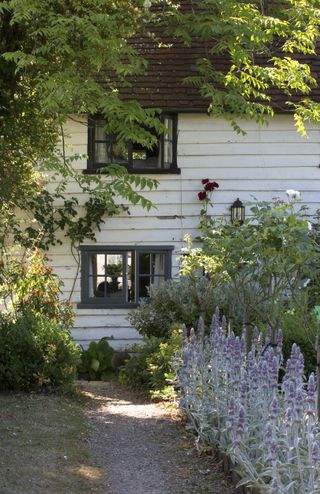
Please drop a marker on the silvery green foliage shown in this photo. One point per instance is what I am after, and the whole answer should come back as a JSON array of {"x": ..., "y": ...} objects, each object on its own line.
[{"x": 234, "y": 401}]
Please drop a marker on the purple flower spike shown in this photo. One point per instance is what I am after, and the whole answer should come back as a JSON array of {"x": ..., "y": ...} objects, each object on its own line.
[
  {"x": 231, "y": 414},
  {"x": 192, "y": 337},
  {"x": 291, "y": 391},
  {"x": 312, "y": 386},
  {"x": 241, "y": 420},
  {"x": 268, "y": 433},
  {"x": 275, "y": 408},
  {"x": 273, "y": 372},
  {"x": 273, "y": 450},
  {"x": 224, "y": 325},
  {"x": 311, "y": 397},
  {"x": 215, "y": 323},
  {"x": 270, "y": 441},
  {"x": 288, "y": 418}
]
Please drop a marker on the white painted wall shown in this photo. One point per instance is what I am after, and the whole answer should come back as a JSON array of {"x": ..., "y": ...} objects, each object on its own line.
[{"x": 264, "y": 163}]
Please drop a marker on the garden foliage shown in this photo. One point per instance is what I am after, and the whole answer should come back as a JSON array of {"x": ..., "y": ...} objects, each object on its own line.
[
  {"x": 173, "y": 302},
  {"x": 36, "y": 349},
  {"x": 150, "y": 366},
  {"x": 36, "y": 354},
  {"x": 96, "y": 361},
  {"x": 264, "y": 268},
  {"x": 27, "y": 283},
  {"x": 235, "y": 402}
]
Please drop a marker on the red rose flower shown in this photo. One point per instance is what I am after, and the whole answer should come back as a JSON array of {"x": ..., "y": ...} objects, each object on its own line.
[
  {"x": 204, "y": 181},
  {"x": 211, "y": 186},
  {"x": 202, "y": 195}
]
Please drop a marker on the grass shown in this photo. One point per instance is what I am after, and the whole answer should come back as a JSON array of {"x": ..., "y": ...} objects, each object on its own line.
[{"x": 43, "y": 446}]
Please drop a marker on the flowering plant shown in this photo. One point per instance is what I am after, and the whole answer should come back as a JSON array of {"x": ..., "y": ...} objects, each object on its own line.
[
  {"x": 234, "y": 401},
  {"x": 261, "y": 267},
  {"x": 205, "y": 196}
]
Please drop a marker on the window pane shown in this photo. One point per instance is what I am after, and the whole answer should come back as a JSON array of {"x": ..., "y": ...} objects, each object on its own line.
[
  {"x": 158, "y": 264},
  {"x": 130, "y": 277},
  {"x": 102, "y": 152},
  {"x": 151, "y": 272},
  {"x": 97, "y": 286},
  {"x": 168, "y": 155},
  {"x": 100, "y": 134},
  {"x": 119, "y": 153},
  {"x": 114, "y": 276},
  {"x": 168, "y": 123},
  {"x": 144, "y": 264},
  {"x": 143, "y": 157},
  {"x": 168, "y": 143},
  {"x": 156, "y": 281},
  {"x": 144, "y": 286},
  {"x": 98, "y": 263},
  {"x": 114, "y": 264}
]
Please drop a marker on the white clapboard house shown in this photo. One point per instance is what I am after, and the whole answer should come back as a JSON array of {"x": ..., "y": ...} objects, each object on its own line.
[{"x": 133, "y": 252}]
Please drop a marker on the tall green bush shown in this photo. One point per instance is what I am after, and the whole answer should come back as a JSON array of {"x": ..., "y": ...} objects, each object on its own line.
[
  {"x": 181, "y": 301},
  {"x": 36, "y": 353},
  {"x": 260, "y": 266}
]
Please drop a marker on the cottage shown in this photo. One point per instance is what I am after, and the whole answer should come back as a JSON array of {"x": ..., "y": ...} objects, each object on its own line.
[{"x": 133, "y": 253}]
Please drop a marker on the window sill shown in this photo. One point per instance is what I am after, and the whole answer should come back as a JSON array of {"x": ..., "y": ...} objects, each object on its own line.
[
  {"x": 139, "y": 171},
  {"x": 106, "y": 306}
]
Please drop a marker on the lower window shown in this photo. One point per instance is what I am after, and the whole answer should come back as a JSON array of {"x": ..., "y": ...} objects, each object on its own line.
[{"x": 121, "y": 276}]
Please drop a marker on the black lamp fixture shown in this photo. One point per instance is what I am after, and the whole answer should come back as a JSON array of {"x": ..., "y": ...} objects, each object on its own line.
[{"x": 237, "y": 212}]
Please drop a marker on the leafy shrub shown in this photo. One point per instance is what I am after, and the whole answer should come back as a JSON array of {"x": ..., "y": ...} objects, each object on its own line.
[
  {"x": 262, "y": 265},
  {"x": 28, "y": 283},
  {"x": 96, "y": 361},
  {"x": 135, "y": 373},
  {"x": 160, "y": 367},
  {"x": 150, "y": 368},
  {"x": 300, "y": 328},
  {"x": 36, "y": 353},
  {"x": 182, "y": 301}
]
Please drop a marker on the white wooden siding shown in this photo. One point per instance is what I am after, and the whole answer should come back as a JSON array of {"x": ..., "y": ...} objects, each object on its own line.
[{"x": 264, "y": 163}]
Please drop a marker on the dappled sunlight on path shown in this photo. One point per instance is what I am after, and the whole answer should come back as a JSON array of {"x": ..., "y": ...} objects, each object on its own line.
[{"x": 143, "y": 447}]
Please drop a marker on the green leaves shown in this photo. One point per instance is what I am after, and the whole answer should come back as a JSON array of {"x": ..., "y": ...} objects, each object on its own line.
[
  {"x": 260, "y": 266},
  {"x": 261, "y": 46}
]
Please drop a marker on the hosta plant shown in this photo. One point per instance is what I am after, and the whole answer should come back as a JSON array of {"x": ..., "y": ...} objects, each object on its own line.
[{"x": 96, "y": 361}]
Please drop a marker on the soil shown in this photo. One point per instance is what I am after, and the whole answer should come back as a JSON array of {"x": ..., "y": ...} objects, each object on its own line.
[{"x": 144, "y": 448}]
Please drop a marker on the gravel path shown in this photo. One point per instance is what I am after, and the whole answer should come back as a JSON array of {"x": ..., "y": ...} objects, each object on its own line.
[{"x": 144, "y": 449}]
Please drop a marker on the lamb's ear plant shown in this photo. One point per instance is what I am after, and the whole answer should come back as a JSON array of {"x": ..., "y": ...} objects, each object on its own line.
[{"x": 236, "y": 402}]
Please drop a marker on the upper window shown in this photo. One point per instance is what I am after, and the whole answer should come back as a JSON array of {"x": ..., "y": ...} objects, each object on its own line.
[
  {"x": 121, "y": 276},
  {"x": 103, "y": 149}
]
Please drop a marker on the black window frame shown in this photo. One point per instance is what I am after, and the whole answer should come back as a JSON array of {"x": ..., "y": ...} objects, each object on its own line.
[
  {"x": 94, "y": 167},
  {"x": 102, "y": 303}
]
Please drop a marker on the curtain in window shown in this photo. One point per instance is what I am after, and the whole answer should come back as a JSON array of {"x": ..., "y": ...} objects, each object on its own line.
[{"x": 159, "y": 269}]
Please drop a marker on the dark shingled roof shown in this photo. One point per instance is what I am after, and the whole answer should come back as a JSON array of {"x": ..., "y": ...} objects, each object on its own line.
[{"x": 162, "y": 84}]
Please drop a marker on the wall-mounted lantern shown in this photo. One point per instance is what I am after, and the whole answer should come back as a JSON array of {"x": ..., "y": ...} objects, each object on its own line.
[{"x": 237, "y": 212}]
